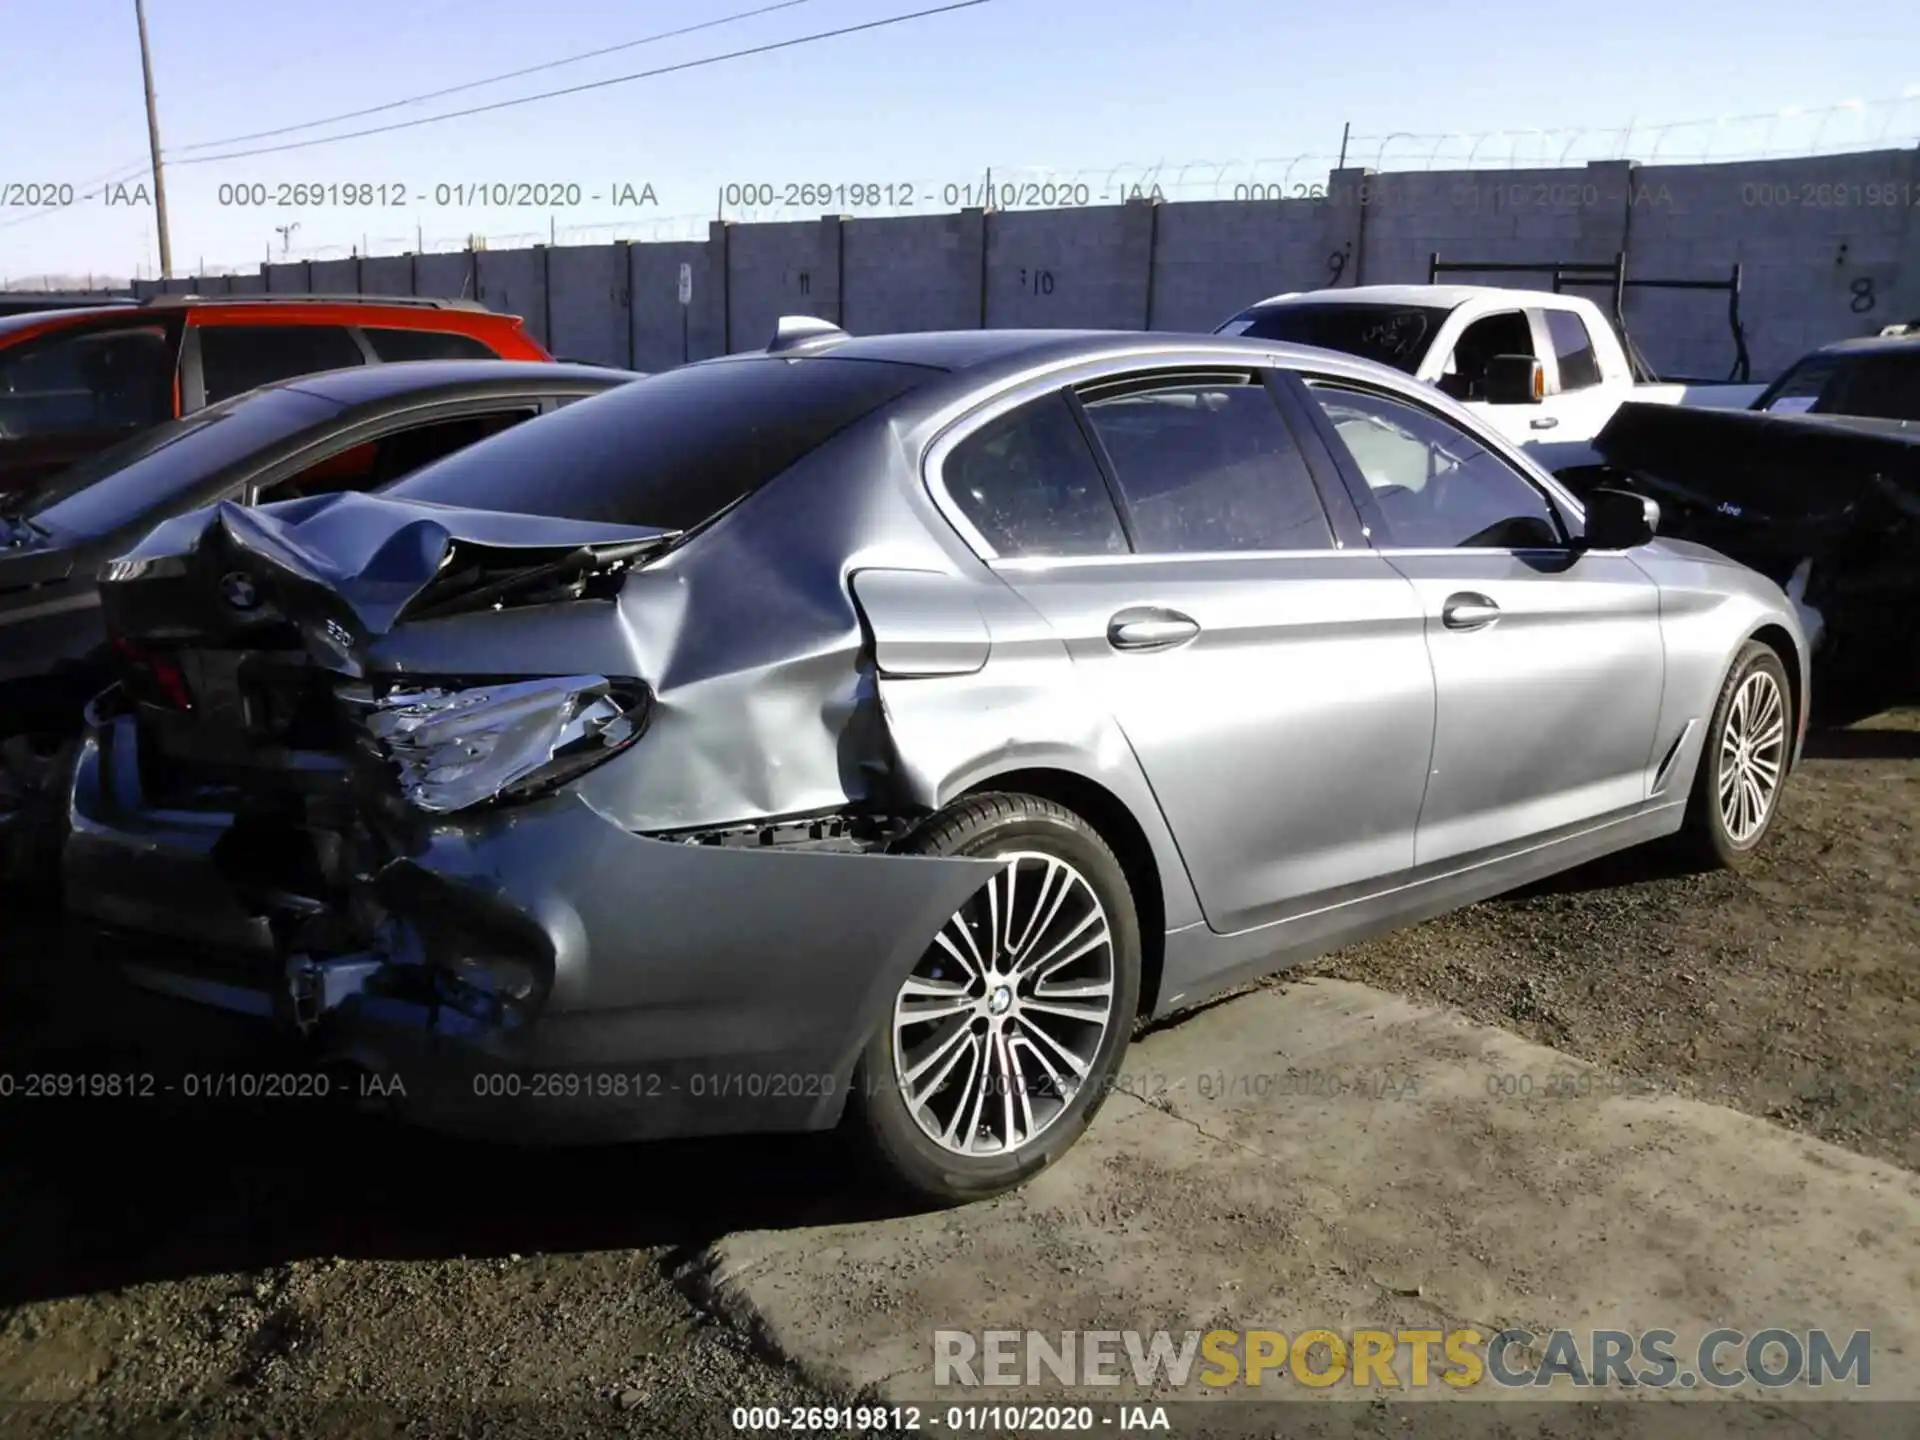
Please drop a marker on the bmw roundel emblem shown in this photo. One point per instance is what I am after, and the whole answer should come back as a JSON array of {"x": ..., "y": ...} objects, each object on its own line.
[{"x": 239, "y": 591}]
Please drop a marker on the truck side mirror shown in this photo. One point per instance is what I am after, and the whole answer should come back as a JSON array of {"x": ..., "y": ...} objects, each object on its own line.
[
  {"x": 1619, "y": 520},
  {"x": 1513, "y": 380}
]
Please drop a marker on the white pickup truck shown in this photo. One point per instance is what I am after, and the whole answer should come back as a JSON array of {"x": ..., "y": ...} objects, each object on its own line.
[{"x": 1545, "y": 369}]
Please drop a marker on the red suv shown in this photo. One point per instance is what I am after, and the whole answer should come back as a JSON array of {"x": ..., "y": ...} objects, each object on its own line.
[{"x": 74, "y": 381}]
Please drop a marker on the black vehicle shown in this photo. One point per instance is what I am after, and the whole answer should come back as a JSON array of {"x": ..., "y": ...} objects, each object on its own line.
[
  {"x": 1818, "y": 487},
  {"x": 1877, "y": 378},
  {"x": 341, "y": 430}
]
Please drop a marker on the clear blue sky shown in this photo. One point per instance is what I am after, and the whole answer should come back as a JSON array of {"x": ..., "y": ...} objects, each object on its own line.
[{"x": 1067, "y": 85}]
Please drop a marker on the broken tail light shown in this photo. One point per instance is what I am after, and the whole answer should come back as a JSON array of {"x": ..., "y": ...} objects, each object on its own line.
[
  {"x": 456, "y": 746},
  {"x": 154, "y": 675}
]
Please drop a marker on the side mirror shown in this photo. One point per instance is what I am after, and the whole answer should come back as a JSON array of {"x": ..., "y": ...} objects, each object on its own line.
[
  {"x": 1619, "y": 520},
  {"x": 1513, "y": 380}
]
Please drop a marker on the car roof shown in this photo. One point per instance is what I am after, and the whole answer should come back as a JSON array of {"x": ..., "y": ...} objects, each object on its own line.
[
  {"x": 370, "y": 384},
  {"x": 1444, "y": 296},
  {"x": 955, "y": 351},
  {"x": 1872, "y": 345},
  {"x": 418, "y": 310},
  {"x": 970, "y": 362}
]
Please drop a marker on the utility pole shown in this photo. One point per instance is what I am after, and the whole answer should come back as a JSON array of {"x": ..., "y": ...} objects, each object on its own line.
[
  {"x": 153, "y": 141},
  {"x": 1346, "y": 132}
]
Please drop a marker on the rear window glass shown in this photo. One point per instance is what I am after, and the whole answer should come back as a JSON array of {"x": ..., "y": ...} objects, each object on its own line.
[
  {"x": 425, "y": 345},
  {"x": 672, "y": 450},
  {"x": 1396, "y": 335},
  {"x": 1884, "y": 386},
  {"x": 118, "y": 486}
]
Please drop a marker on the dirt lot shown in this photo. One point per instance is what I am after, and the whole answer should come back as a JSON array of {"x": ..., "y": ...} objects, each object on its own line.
[
  {"x": 233, "y": 1268},
  {"x": 1790, "y": 991}
]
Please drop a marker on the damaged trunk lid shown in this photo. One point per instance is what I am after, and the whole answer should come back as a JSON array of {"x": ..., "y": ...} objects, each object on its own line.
[{"x": 236, "y": 631}]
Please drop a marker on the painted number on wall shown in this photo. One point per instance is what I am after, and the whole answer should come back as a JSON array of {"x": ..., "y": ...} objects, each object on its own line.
[
  {"x": 1036, "y": 282},
  {"x": 1863, "y": 299},
  {"x": 1337, "y": 263}
]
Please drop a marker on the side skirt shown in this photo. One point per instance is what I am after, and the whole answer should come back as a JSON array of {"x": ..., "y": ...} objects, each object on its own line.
[{"x": 1200, "y": 963}]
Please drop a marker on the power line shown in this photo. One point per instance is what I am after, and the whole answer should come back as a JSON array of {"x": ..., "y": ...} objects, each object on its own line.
[
  {"x": 496, "y": 79},
  {"x": 133, "y": 168},
  {"x": 590, "y": 85}
]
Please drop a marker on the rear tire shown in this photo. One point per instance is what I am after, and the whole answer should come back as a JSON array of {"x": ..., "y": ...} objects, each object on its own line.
[
  {"x": 1743, "y": 764},
  {"x": 1001, "y": 1046}
]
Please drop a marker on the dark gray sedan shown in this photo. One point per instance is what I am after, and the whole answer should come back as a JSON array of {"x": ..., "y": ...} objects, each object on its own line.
[
  {"x": 872, "y": 730},
  {"x": 342, "y": 430}
]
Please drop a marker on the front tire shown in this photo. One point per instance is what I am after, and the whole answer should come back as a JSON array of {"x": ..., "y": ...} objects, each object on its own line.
[
  {"x": 1743, "y": 765},
  {"x": 999, "y": 1048}
]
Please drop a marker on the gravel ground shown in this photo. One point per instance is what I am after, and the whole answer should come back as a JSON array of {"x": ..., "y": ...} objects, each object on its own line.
[
  {"x": 290, "y": 1268},
  {"x": 1790, "y": 990}
]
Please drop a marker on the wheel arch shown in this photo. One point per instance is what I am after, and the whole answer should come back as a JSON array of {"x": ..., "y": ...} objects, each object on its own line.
[
  {"x": 1777, "y": 638},
  {"x": 1114, "y": 821}
]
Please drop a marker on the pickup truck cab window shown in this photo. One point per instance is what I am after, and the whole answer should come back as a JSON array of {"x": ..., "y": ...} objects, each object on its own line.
[
  {"x": 1506, "y": 332},
  {"x": 1573, "y": 349}
]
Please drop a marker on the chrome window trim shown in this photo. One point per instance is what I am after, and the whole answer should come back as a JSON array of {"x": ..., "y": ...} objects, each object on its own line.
[{"x": 1020, "y": 564}]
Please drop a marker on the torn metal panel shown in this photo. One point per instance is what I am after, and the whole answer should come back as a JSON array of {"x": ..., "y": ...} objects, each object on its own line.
[{"x": 358, "y": 561}]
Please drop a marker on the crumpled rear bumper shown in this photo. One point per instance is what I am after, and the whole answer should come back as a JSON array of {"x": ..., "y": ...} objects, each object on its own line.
[{"x": 680, "y": 989}]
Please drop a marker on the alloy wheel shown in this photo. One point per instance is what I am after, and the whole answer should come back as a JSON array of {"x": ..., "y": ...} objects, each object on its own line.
[
  {"x": 1753, "y": 748},
  {"x": 1000, "y": 1023}
]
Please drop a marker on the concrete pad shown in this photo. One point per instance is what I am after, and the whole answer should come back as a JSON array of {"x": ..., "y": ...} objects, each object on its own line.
[{"x": 1332, "y": 1156}]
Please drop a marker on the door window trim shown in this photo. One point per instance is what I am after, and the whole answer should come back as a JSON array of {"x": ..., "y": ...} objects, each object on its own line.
[
  {"x": 247, "y": 490},
  {"x": 1559, "y": 505},
  {"x": 1124, "y": 376},
  {"x": 193, "y": 379}
]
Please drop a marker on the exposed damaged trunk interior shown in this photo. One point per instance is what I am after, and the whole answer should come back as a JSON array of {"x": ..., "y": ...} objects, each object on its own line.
[
  {"x": 246, "y": 693},
  {"x": 1828, "y": 507}
]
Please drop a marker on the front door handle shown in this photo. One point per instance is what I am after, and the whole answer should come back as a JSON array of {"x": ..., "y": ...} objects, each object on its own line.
[
  {"x": 1543, "y": 422},
  {"x": 1148, "y": 627},
  {"x": 1468, "y": 611}
]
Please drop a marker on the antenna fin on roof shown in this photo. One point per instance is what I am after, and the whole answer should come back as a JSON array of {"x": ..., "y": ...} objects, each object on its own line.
[{"x": 793, "y": 331}]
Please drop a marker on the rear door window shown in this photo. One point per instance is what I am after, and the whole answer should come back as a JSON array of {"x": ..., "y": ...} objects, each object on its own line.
[
  {"x": 236, "y": 358},
  {"x": 425, "y": 345},
  {"x": 91, "y": 379},
  {"x": 1209, "y": 467},
  {"x": 672, "y": 450}
]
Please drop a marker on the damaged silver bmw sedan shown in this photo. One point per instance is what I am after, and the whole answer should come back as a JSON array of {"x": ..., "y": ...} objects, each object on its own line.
[{"x": 874, "y": 731}]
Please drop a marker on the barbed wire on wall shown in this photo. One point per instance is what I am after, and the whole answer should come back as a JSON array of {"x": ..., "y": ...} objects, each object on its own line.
[{"x": 1792, "y": 132}]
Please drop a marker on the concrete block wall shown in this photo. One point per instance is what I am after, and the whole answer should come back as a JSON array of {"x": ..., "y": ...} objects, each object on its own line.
[{"x": 1829, "y": 248}]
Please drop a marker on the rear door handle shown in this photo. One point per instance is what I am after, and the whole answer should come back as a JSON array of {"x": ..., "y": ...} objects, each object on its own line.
[
  {"x": 1148, "y": 627},
  {"x": 1468, "y": 611},
  {"x": 1544, "y": 422}
]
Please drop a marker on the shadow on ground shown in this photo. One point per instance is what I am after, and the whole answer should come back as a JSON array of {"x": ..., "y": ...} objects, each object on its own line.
[
  {"x": 1864, "y": 743},
  {"x": 103, "y": 1192}
]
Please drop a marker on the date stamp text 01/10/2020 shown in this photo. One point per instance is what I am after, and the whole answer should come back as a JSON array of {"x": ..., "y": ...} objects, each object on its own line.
[{"x": 442, "y": 195}]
